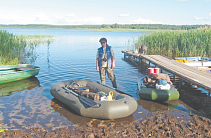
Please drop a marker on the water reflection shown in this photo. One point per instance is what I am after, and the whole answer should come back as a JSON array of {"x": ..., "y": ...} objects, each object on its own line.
[
  {"x": 48, "y": 55},
  {"x": 153, "y": 106},
  {"x": 6, "y": 89},
  {"x": 69, "y": 114},
  {"x": 143, "y": 66},
  {"x": 80, "y": 120}
]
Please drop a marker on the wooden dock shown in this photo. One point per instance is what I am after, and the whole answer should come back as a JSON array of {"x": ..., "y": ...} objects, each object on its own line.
[{"x": 184, "y": 72}]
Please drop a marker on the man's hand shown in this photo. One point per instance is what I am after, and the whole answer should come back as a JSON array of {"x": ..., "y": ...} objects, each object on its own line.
[
  {"x": 113, "y": 62},
  {"x": 113, "y": 65},
  {"x": 97, "y": 68}
]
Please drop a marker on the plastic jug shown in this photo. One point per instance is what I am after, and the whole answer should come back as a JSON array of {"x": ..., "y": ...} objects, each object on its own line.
[
  {"x": 103, "y": 98},
  {"x": 110, "y": 96}
]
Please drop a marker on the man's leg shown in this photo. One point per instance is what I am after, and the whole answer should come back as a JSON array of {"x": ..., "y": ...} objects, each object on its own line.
[
  {"x": 103, "y": 75},
  {"x": 112, "y": 77}
]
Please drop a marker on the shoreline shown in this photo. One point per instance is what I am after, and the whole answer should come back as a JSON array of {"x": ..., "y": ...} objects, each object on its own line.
[
  {"x": 159, "y": 124},
  {"x": 107, "y": 30}
]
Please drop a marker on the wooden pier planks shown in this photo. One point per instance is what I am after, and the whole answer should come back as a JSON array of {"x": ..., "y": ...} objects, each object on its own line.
[{"x": 187, "y": 73}]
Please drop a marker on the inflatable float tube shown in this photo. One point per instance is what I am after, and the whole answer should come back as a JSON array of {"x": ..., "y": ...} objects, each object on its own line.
[{"x": 121, "y": 105}]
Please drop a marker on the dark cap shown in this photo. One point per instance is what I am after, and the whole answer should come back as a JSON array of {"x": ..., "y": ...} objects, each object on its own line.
[{"x": 103, "y": 39}]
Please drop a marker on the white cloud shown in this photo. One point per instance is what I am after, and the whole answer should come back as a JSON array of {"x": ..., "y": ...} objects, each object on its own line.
[
  {"x": 43, "y": 18},
  {"x": 91, "y": 20},
  {"x": 70, "y": 15},
  {"x": 144, "y": 21},
  {"x": 182, "y": 0},
  {"x": 200, "y": 18},
  {"x": 124, "y": 15}
]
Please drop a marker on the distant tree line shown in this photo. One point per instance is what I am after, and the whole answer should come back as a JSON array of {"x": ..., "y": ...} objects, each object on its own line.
[
  {"x": 153, "y": 26},
  {"x": 109, "y": 26},
  {"x": 46, "y": 26}
]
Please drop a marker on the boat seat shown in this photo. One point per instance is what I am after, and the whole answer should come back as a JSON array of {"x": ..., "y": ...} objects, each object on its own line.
[
  {"x": 22, "y": 69},
  {"x": 82, "y": 88},
  {"x": 90, "y": 95}
]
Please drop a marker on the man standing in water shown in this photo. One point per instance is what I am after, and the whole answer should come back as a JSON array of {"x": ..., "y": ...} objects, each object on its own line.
[{"x": 105, "y": 62}]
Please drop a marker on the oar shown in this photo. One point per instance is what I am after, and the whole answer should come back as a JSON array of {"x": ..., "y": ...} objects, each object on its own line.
[
  {"x": 85, "y": 100},
  {"x": 114, "y": 89}
]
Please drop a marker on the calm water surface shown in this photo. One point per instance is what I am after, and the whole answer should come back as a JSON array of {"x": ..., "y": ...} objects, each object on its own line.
[{"x": 28, "y": 103}]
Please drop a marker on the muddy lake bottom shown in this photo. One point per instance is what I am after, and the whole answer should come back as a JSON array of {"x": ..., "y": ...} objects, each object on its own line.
[{"x": 159, "y": 123}]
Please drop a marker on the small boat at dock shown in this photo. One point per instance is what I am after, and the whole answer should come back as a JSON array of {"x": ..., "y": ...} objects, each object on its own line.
[
  {"x": 93, "y": 99},
  {"x": 202, "y": 63},
  {"x": 150, "y": 89},
  {"x": 10, "y": 73}
]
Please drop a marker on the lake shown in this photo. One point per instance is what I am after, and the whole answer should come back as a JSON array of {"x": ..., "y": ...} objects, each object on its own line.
[{"x": 71, "y": 55}]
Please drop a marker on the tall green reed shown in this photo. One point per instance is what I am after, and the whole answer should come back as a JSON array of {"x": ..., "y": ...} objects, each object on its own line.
[
  {"x": 10, "y": 48},
  {"x": 14, "y": 49},
  {"x": 173, "y": 44}
]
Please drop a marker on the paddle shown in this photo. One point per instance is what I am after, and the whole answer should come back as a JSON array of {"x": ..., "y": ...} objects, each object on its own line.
[
  {"x": 114, "y": 89},
  {"x": 85, "y": 100}
]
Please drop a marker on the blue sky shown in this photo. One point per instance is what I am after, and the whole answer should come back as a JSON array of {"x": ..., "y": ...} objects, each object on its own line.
[{"x": 74, "y": 12}]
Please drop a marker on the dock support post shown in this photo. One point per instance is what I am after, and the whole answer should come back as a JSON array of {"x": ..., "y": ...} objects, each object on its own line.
[
  {"x": 139, "y": 61},
  {"x": 180, "y": 83},
  {"x": 208, "y": 97}
]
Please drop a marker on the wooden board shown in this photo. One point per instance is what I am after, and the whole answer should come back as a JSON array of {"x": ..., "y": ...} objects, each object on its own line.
[{"x": 187, "y": 73}]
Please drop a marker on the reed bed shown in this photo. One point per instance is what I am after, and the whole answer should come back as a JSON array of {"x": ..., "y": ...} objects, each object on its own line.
[
  {"x": 36, "y": 39},
  {"x": 196, "y": 42},
  {"x": 10, "y": 48},
  {"x": 16, "y": 49}
]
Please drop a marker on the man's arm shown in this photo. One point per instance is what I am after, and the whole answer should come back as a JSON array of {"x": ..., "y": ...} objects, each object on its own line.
[
  {"x": 97, "y": 59},
  {"x": 113, "y": 59},
  {"x": 97, "y": 67}
]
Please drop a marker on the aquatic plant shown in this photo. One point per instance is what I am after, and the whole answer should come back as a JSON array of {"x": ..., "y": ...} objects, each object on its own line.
[
  {"x": 10, "y": 48},
  {"x": 36, "y": 39},
  {"x": 195, "y": 42},
  {"x": 15, "y": 49}
]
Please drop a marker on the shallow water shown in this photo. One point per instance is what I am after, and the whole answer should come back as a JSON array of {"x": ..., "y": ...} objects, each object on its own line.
[{"x": 71, "y": 55}]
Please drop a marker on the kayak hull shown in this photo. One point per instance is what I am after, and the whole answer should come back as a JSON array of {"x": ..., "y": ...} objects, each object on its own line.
[
  {"x": 10, "y": 73},
  {"x": 157, "y": 94}
]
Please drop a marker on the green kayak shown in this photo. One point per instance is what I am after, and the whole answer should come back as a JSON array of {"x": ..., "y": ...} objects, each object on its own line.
[
  {"x": 10, "y": 73},
  {"x": 157, "y": 94},
  {"x": 93, "y": 99}
]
